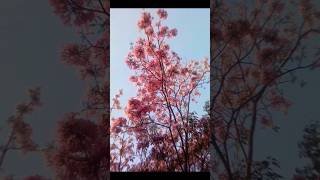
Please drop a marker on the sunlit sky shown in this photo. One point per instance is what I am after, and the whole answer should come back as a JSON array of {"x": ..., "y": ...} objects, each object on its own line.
[{"x": 192, "y": 43}]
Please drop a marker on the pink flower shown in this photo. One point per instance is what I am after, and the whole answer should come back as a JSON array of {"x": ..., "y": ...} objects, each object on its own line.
[
  {"x": 139, "y": 52},
  {"x": 161, "y": 54},
  {"x": 153, "y": 85},
  {"x": 175, "y": 125},
  {"x": 142, "y": 144},
  {"x": 140, "y": 41},
  {"x": 184, "y": 71},
  {"x": 172, "y": 70},
  {"x": 149, "y": 48},
  {"x": 131, "y": 62},
  {"x": 149, "y": 31},
  {"x": 162, "y": 14},
  {"x": 165, "y": 47},
  {"x": 136, "y": 110},
  {"x": 133, "y": 79},
  {"x": 145, "y": 20},
  {"x": 163, "y": 31},
  {"x": 117, "y": 124},
  {"x": 173, "y": 32},
  {"x": 116, "y": 103}
]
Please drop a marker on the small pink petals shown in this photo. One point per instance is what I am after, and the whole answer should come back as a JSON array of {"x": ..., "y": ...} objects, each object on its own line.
[
  {"x": 145, "y": 20},
  {"x": 162, "y": 13}
]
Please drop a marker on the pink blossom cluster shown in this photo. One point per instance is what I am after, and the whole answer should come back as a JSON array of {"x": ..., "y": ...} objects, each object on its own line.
[
  {"x": 160, "y": 70},
  {"x": 162, "y": 13},
  {"x": 116, "y": 101},
  {"x": 136, "y": 109},
  {"x": 145, "y": 21},
  {"x": 117, "y": 124}
]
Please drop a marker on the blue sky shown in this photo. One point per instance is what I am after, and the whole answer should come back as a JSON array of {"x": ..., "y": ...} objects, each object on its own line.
[{"x": 192, "y": 43}]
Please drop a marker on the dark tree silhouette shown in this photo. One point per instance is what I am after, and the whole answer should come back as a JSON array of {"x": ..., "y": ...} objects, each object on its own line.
[
  {"x": 19, "y": 137},
  {"x": 310, "y": 149},
  {"x": 257, "y": 46},
  {"x": 81, "y": 149}
]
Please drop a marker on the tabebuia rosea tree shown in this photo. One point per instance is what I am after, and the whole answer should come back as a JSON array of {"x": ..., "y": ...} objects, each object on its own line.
[
  {"x": 159, "y": 132},
  {"x": 81, "y": 147},
  {"x": 257, "y": 48}
]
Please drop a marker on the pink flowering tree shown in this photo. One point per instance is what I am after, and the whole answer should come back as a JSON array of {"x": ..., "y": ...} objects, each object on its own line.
[
  {"x": 257, "y": 49},
  {"x": 81, "y": 148},
  {"x": 159, "y": 132}
]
